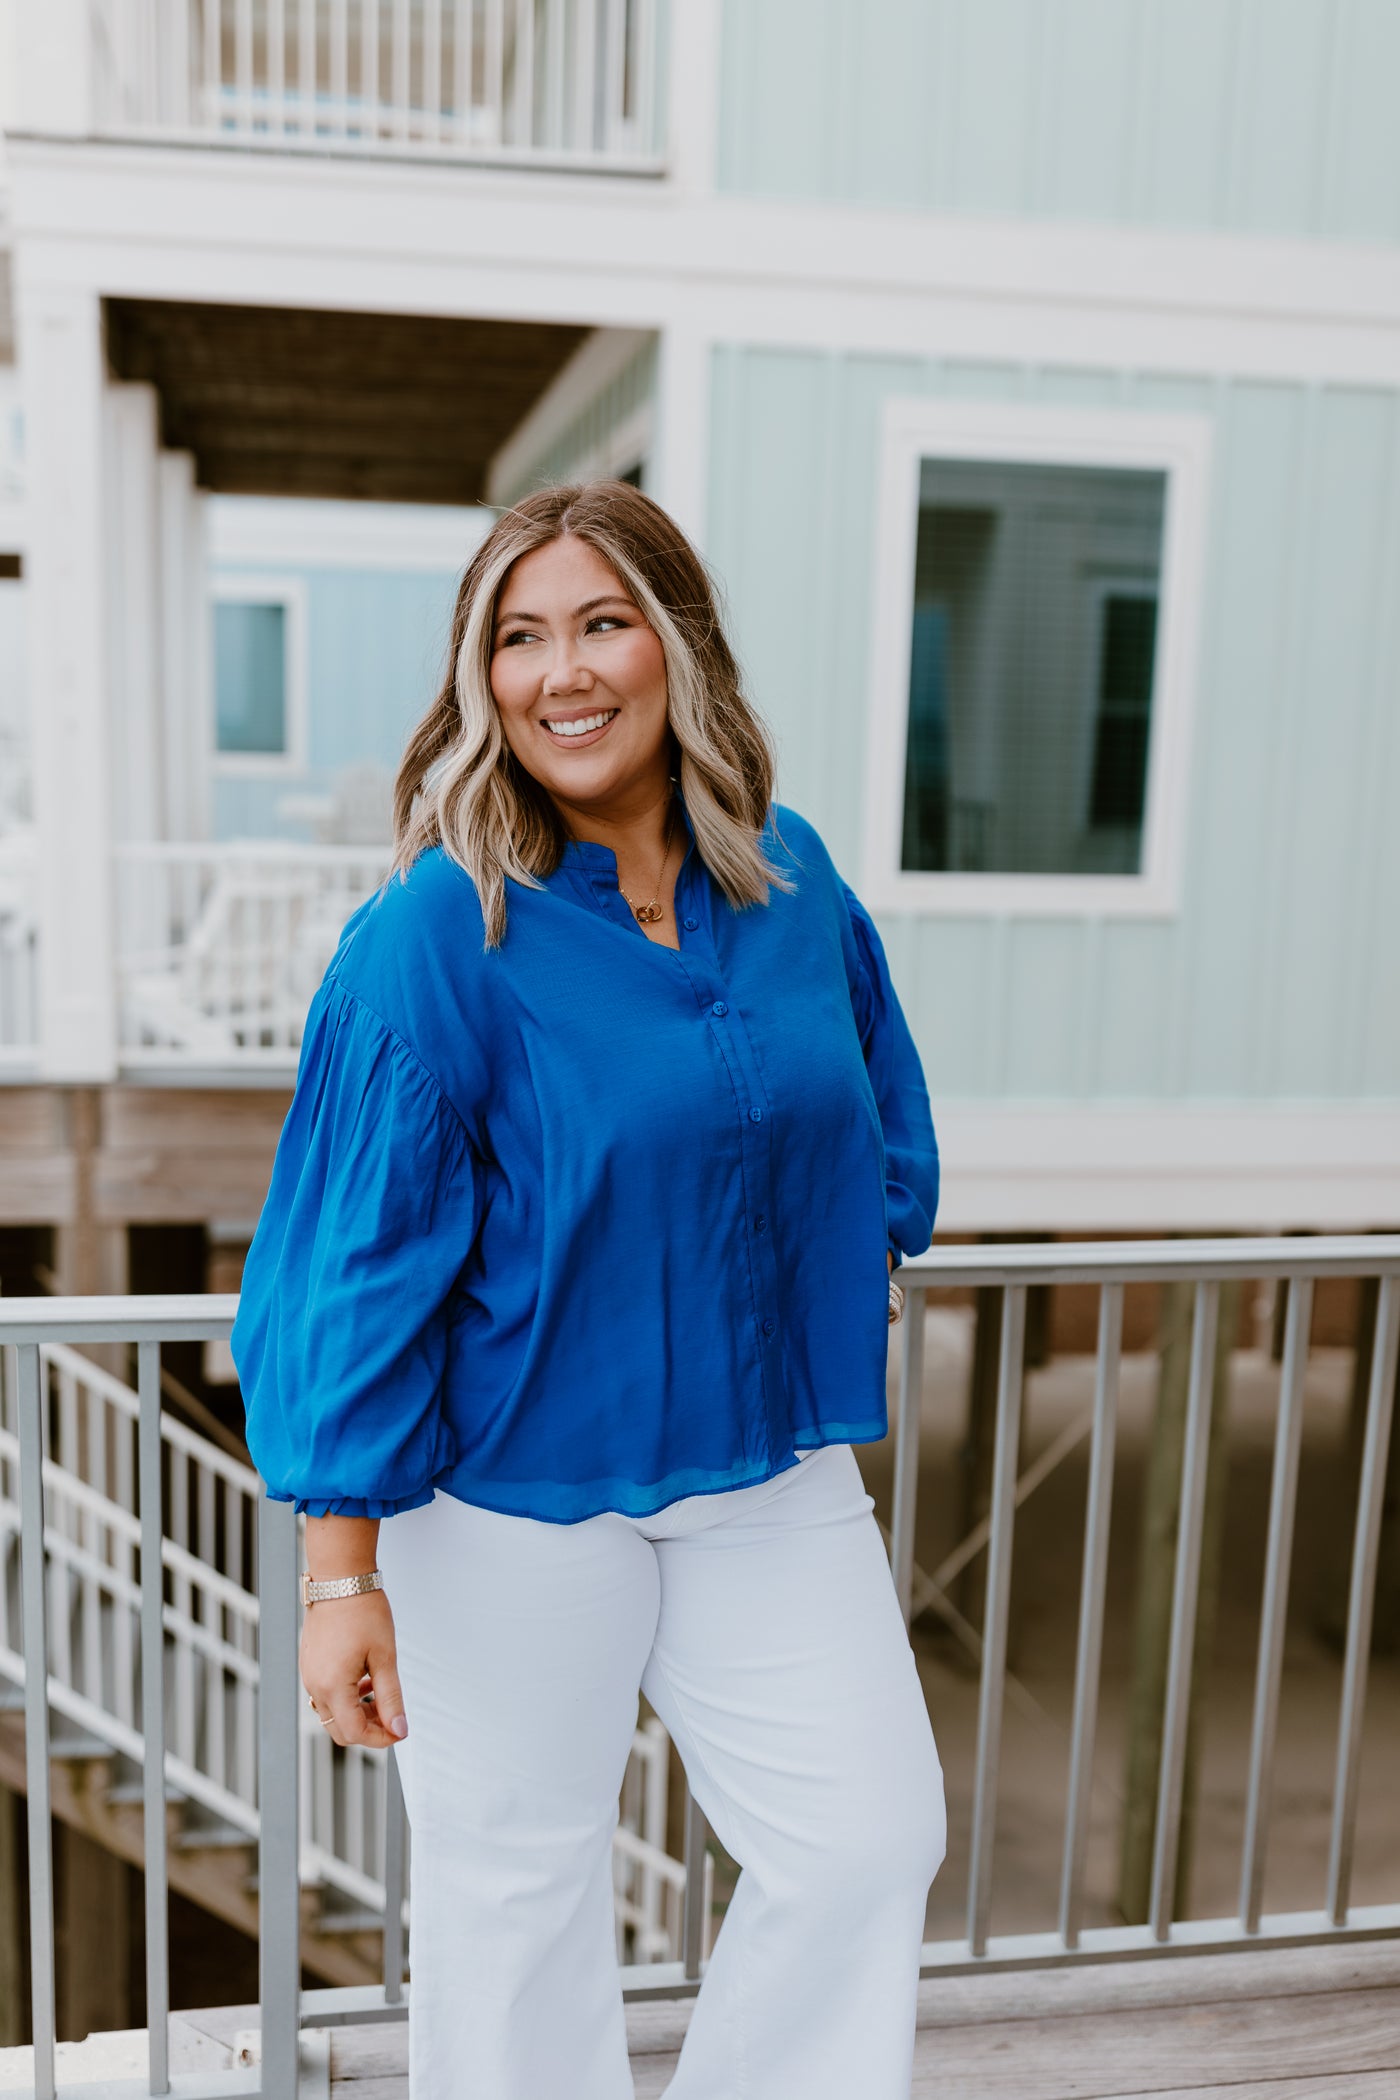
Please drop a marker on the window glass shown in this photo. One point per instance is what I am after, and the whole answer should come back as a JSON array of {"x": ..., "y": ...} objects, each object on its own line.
[
  {"x": 1031, "y": 668},
  {"x": 250, "y": 678}
]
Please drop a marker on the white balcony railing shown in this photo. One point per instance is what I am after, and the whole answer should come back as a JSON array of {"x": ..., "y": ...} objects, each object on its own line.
[
  {"x": 563, "y": 82},
  {"x": 219, "y": 948},
  {"x": 37, "y": 1326}
]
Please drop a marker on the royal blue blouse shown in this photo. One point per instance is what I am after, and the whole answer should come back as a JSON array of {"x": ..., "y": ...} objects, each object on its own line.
[{"x": 585, "y": 1223}]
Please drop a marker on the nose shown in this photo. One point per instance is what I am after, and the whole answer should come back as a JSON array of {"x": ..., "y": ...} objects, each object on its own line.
[{"x": 566, "y": 672}]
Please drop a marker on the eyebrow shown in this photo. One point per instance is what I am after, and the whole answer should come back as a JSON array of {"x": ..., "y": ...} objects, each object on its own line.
[{"x": 589, "y": 605}]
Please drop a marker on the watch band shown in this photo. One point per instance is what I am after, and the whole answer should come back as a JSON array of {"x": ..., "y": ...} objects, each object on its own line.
[{"x": 340, "y": 1586}]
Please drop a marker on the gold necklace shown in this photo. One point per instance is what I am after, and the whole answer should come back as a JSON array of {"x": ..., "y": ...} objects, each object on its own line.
[{"x": 651, "y": 911}]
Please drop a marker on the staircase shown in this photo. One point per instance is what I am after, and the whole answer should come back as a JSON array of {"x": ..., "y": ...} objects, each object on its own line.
[{"x": 210, "y": 1688}]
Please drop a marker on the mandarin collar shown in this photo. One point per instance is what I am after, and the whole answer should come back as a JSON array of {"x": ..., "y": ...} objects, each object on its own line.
[{"x": 586, "y": 853}]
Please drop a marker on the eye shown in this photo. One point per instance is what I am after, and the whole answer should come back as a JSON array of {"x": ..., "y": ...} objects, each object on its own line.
[
  {"x": 605, "y": 620},
  {"x": 518, "y": 634}
]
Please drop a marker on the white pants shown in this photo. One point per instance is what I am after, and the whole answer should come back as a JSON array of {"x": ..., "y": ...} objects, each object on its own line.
[{"x": 762, "y": 1625}]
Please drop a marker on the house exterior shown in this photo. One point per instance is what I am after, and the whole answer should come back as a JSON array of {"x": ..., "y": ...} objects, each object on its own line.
[{"x": 1028, "y": 373}]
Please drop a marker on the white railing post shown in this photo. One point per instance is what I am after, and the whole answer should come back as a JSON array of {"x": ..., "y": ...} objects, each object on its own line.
[{"x": 60, "y": 344}]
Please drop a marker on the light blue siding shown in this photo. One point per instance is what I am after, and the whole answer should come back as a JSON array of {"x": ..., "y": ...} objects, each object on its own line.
[
  {"x": 1254, "y": 116},
  {"x": 1276, "y": 978}
]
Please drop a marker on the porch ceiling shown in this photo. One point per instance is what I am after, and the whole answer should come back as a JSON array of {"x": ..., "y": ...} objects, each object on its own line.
[{"x": 275, "y": 401}]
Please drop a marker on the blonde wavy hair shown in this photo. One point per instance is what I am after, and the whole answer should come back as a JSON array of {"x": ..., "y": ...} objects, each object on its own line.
[{"x": 461, "y": 786}]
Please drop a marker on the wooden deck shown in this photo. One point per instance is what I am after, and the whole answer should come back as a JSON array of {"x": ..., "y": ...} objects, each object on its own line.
[{"x": 1285, "y": 2024}]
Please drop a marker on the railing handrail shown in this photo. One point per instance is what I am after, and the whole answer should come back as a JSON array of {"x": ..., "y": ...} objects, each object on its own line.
[
  {"x": 298, "y": 852},
  {"x": 1156, "y": 1261}
]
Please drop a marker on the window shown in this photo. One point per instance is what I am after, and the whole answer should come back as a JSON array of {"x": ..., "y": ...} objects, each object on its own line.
[
  {"x": 259, "y": 679},
  {"x": 1034, "y": 604}
]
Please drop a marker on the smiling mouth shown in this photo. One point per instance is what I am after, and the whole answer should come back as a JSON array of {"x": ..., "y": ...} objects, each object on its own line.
[{"x": 582, "y": 729}]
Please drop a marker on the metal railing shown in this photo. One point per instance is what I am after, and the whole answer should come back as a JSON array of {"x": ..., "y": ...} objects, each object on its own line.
[
  {"x": 564, "y": 83},
  {"x": 1206, "y": 1266}
]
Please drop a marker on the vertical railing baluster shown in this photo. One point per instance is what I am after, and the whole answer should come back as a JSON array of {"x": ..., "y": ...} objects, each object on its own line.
[
  {"x": 1008, "y": 1438},
  {"x": 1370, "y": 1502},
  {"x": 43, "y": 2002},
  {"x": 369, "y": 69},
  {"x": 1185, "y": 1584},
  {"x": 153, "y": 1715},
  {"x": 394, "y": 1821},
  {"x": 614, "y": 75},
  {"x": 554, "y": 89},
  {"x": 432, "y": 73},
  {"x": 693, "y": 1919},
  {"x": 585, "y": 74},
  {"x": 338, "y": 67},
  {"x": 459, "y": 130},
  {"x": 276, "y": 67},
  {"x": 906, "y": 1454},
  {"x": 211, "y": 66},
  {"x": 306, "y": 66},
  {"x": 494, "y": 85},
  {"x": 401, "y": 90},
  {"x": 644, "y": 91},
  {"x": 1283, "y": 1500},
  {"x": 524, "y": 75},
  {"x": 278, "y": 1856},
  {"x": 243, "y": 65},
  {"x": 1092, "y": 1591}
]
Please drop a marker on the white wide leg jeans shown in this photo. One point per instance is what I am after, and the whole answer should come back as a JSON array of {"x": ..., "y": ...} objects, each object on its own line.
[{"x": 762, "y": 1625}]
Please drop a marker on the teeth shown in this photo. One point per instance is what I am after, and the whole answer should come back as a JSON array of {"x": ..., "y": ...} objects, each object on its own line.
[{"x": 581, "y": 728}]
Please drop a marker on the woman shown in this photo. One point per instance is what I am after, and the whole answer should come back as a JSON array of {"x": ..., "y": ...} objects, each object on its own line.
[{"x": 606, "y": 1115}]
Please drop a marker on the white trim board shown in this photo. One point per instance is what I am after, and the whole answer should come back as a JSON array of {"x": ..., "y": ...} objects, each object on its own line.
[
  {"x": 186, "y": 223},
  {"x": 923, "y": 427},
  {"x": 1221, "y": 1167},
  {"x": 600, "y": 359},
  {"x": 308, "y": 533}
]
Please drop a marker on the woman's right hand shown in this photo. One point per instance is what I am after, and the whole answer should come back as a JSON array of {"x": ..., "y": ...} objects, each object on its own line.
[{"x": 349, "y": 1665}]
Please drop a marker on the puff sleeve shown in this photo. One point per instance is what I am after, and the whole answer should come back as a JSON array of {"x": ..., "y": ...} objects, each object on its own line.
[
  {"x": 341, "y": 1332},
  {"x": 897, "y": 1080}
]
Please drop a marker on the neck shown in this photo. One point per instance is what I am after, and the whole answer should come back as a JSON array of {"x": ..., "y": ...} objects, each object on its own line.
[{"x": 633, "y": 825}]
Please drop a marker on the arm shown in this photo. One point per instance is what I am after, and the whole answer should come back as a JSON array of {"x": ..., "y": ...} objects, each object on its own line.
[
  {"x": 341, "y": 1332},
  {"x": 897, "y": 1080}
]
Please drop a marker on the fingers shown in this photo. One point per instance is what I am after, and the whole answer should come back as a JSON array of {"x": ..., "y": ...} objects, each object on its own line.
[
  {"x": 349, "y": 1666},
  {"x": 386, "y": 1693}
]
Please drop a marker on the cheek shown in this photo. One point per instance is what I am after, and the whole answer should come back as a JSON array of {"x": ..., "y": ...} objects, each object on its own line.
[
  {"x": 644, "y": 673},
  {"x": 512, "y": 685}
]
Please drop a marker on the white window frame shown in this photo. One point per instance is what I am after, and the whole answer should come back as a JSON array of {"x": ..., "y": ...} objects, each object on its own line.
[
  {"x": 290, "y": 593},
  {"x": 1016, "y": 434}
]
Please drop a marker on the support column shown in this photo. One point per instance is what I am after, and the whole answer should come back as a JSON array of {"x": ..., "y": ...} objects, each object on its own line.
[
  {"x": 61, "y": 359},
  {"x": 134, "y": 620},
  {"x": 679, "y": 472},
  {"x": 186, "y": 671}
]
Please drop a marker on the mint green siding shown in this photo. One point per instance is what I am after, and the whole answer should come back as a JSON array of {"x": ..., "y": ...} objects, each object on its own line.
[
  {"x": 1277, "y": 977},
  {"x": 1251, "y": 116}
]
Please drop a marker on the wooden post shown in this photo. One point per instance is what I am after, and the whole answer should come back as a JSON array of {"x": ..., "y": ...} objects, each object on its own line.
[{"x": 1157, "y": 1572}]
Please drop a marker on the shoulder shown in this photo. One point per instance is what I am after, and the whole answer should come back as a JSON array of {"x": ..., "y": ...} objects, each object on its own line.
[
  {"x": 432, "y": 909},
  {"x": 413, "y": 956},
  {"x": 793, "y": 843}
]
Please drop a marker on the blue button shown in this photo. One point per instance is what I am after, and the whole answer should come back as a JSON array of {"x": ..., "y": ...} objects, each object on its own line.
[
  {"x": 768, "y": 1327},
  {"x": 719, "y": 1007},
  {"x": 691, "y": 924},
  {"x": 759, "y": 1222},
  {"x": 755, "y": 1115}
]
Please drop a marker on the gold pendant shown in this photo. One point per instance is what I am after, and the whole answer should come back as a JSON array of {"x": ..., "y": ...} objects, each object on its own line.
[{"x": 648, "y": 913}]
